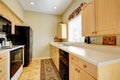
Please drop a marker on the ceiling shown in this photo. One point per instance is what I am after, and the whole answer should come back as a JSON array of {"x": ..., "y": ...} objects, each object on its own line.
[{"x": 46, "y": 6}]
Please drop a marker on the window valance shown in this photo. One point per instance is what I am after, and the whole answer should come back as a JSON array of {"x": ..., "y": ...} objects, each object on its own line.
[{"x": 76, "y": 11}]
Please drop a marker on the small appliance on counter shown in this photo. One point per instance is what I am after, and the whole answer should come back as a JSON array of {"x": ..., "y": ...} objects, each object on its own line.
[
  {"x": 87, "y": 40},
  {"x": 3, "y": 39},
  {"x": 1, "y": 42},
  {"x": 9, "y": 44}
]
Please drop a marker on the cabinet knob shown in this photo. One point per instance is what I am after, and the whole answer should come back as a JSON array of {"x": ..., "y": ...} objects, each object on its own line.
[
  {"x": 0, "y": 71},
  {"x": 93, "y": 32},
  {"x": 85, "y": 66},
  {"x": 0, "y": 58},
  {"x": 76, "y": 69},
  {"x": 72, "y": 58}
]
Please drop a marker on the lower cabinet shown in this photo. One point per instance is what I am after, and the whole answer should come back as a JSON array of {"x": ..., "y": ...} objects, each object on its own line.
[
  {"x": 3, "y": 66},
  {"x": 55, "y": 55},
  {"x": 75, "y": 72},
  {"x": 80, "y": 69},
  {"x": 85, "y": 76}
]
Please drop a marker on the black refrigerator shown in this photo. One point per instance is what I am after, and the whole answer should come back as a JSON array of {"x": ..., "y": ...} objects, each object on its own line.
[{"x": 23, "y": 36}]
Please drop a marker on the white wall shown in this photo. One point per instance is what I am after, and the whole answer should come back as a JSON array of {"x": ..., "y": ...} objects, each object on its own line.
[
  {"x": 15, "y": 7},
  {"x": 44, "y": 29}
]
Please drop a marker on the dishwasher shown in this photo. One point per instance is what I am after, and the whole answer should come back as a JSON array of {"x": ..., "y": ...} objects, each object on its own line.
[{"x": 64, "y": 64}]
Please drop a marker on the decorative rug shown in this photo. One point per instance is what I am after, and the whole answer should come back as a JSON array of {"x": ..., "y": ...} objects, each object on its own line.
[{"x": 49, "y": 70}]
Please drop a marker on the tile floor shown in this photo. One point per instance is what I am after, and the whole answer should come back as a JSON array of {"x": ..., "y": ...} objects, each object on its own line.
[{"x": 32, "y": 72}]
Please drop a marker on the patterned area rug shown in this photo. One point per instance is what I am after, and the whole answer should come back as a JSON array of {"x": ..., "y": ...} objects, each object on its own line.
[{"x": 49, "y": 71}]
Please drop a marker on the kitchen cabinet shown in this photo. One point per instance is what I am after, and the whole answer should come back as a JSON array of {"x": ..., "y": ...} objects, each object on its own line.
[
  {"x": 109, "y": 72},
  {"x": 3, "y": 66},
  {"x": 82, "y": 70},
  {"x": 100, "y": 17},
  {"x": 88, "y": 18},
  {"x": 55, "y": 55},
  {"x": 8, "y": 14},
  {"x": 76, "y": 72},
  {"x": 62, "y": 31},
  {"x": 0, "y": 7},
  {"x": 106, "y": 16},
  {"x": 118, "y": 16}
]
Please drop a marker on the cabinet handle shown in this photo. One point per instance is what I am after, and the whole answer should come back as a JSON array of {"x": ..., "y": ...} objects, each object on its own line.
[
  {"x": 0, "y": 58},
  {"x": 93, "y": 32},
  {"x": 85, "y": 66},
  {"x": 76, "y": 69},
  {"x": 72, "y": 58}
]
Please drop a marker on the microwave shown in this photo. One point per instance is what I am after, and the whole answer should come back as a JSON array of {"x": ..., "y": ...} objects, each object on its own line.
[{"x": 5, "y": 25}]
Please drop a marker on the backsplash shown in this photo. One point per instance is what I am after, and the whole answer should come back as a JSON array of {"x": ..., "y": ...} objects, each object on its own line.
[{"x": 107, "y": 40}]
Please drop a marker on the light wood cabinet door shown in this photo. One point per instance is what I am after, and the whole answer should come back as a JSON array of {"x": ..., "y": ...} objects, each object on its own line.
[
  {"x": 106, "y": 16},
  {"x": 55, "y": 55},
  {"x": 0, "y": 7},
  {"x": 85, "y": 76},
  {"x": 74, "y": 73},
  {"x": 118, "y": 18},
  {"x": 52, "y": 52},
  {"x": 88, "y": 19},
  {"x": 57, "y": 58},
  {"x": 101, "y": 17},
  {"x": 3, "y": 66},
  {"x": 62, "y": 31}
]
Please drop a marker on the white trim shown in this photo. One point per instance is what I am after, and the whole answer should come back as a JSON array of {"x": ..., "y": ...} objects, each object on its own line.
[{"x": 17, "y": 74}]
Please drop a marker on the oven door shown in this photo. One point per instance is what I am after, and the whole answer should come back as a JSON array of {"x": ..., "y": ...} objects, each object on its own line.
[{"x": 16, "y": 60}]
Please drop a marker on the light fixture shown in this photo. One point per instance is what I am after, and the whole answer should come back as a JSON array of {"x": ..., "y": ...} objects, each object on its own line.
[
  {"x": 32, "y": 3},
  {"x": 55, "y": 7}
]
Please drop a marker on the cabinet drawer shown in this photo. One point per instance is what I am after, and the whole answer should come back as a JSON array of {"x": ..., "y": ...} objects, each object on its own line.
[
  {"x": 74, "y": 59},
  {"x": 1, "y": 57},
  {"x": 89, "y": 68}
]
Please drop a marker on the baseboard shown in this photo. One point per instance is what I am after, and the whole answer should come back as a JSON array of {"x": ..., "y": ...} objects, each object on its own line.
[{"x": 41, "y": 58}]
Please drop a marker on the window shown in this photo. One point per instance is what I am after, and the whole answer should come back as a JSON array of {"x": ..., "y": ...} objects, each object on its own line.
[{"x": 75, "y": 30}]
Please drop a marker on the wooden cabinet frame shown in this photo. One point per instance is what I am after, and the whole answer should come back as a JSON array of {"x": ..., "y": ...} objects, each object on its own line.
[{"x": 101, "y": 17}]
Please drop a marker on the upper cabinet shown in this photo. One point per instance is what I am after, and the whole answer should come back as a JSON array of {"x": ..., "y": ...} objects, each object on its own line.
[
  {"x": 15, "y": 7},
  {"x": 7, "y": 13},
  {"x": 62, "y": 31},
  {"x": 88, "y": 22},
  {"x": 100, "y": 17},
  {"x": 118, "y": 16},
  {"x": 106, "y": 16}
]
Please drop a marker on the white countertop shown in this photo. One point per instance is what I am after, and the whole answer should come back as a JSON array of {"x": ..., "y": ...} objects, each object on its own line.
[
  {"x": 95, "y": 54},
  {"x": 10, "y": 49}
]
